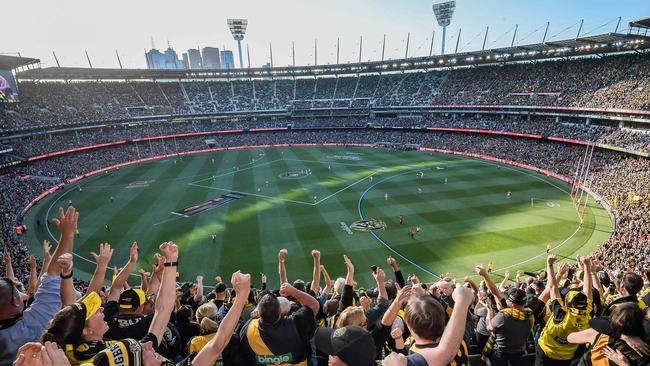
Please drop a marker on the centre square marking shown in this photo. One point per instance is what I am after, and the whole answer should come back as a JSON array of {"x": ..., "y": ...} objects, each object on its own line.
[{"x": 321, "y": 178}]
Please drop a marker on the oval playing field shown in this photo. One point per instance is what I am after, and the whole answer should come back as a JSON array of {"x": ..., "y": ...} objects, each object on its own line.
[{"x": 257, "y": 201}]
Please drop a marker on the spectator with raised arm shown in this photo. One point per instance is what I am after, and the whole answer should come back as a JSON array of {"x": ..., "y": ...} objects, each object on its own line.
[
  {"x": 20, "y": 325},
  {"x": 79, "y": 328}
]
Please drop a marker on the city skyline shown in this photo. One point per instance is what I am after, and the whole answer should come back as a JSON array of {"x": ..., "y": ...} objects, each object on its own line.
[{"x": 101, "y": 30}]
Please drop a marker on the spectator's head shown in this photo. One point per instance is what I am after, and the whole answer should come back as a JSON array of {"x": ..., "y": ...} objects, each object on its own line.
[
  {"x": 576, "y": 299},
  {"x": 132, "y": 301},
  {"x": 269, "y": 309},
  {"x": 130, "y": 352},
  {"x": 339, "y": 285},
  {"x": 188, "y": 289},
  {"x": 627, "y": 318},
  {"x": 207, "y": 317},
  {"x": 149, "y": 306},
  {"x": 285, "y": 305},
  {"x": 353, "y": 315},
  {"x": 391, "y": 290},
  {"x": 81, "y": 321},
  {"x": 299, "y": 285},
  {"x": 11, "y": 305},
  {"x": 330, "y": 307},
  {"x": 631, "y": 284},
  {"x": 184, "y": 314},
  {"x": 347, "y": 346},
  {"x": 515, "y": 298},
  {"x": 424, "y": 317}
]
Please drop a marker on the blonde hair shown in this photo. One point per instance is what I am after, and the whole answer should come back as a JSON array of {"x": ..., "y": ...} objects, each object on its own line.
[
  {"x": 206, "y": 316},
  {"x": 353, "y": 315}
]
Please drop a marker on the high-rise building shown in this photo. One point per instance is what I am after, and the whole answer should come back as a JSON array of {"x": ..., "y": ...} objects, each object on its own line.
[
  {"x": 155, "y": 59},
  {"x": 195, "y": 58},
  {"x": 227, "y": 60},
  {"x": 167, "y": 60},
  {"x": 186, "y": 61},
  {"x": 211, "y": 58}
]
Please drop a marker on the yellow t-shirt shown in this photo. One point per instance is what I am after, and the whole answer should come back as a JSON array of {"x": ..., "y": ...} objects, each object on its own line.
[
  {"x": 197, "y": 343},
  {"x": 564, "y": 321}
]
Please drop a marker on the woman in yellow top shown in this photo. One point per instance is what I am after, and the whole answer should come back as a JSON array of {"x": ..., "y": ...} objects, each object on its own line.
[{"x": 206, "y": 316}]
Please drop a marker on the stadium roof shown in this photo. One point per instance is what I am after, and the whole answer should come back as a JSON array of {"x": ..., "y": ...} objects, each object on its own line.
[
  {"x": 641, "y": 23},
  {"x": 13, "y": 62},
  {"x": 583, "y": 46}
]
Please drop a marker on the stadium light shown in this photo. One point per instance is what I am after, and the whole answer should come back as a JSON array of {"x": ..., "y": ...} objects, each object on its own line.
[
  {"x": 238, "y": 30},
  {"x": 444, "y": 12}
]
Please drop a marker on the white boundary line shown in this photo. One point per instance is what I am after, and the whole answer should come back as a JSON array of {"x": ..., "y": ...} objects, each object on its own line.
[
  {"x": 252, "y": 194},
  {"x": 344, "y": 188},
  {"x": 235, "y": 171},
  {"x": 332, "y": 162},
  {"x": 284, "y": 199}
]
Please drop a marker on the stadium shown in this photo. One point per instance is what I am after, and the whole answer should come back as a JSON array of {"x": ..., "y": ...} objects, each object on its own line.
[{"x": 487, "y": 207}]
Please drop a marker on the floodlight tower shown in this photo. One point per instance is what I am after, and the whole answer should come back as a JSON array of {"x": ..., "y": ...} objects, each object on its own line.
[
  {"x": 444, "y": 12},
  {"x": 238, "y": 29}
]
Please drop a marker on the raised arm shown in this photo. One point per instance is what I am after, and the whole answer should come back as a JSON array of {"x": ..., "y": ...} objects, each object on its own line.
[
  {"x": 586, "y": 269},
  {"x": 102, "y": 259},
  {"x": 402, "y": 294},
  {"x": 551, "y": 284},
  {"x": 595, "y": 281},
  {"x": 349, "y": 277},
  {"x": 9, "y": 269},
  {"x": 315, "y": 283},
  {"x": 454, "y": 331},
  {"x": 481, "y": 271},
  {"x": 120, "y": 280},
  {"x": 381, "y": 286},
  {"x": 198, "y": 295},
  {"x": 166, "y": 295},
  {"x": 399, "y": 278},
  {"x": 303, "y": 298},
  {"x": 32, "y": 285},
  {"x": 210, "y": 353},
  {"x": 328, "y": 280},
  {"x": 67, "y": 225},
  {"x": 282, "y": 269},
  {"x": 144, "y": 280},
  {"x": 47, "y": 256},
  {"x": 156, "y": 275},
  {"x": 68, "y": 294},
  {"x": 504, "y": 283}
]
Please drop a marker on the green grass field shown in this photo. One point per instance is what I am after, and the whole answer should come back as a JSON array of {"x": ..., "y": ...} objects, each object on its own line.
[{"x": 302, "y": 198}]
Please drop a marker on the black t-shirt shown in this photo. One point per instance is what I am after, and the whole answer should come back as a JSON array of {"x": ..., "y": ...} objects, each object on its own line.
[
  {"x": 288, "y": 336},
  {"x": 137, "y": 326},
  {"x": 187, "y": 330}
]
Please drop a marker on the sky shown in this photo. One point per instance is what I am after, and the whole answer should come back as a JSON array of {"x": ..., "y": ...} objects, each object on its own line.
[{"x": 36, "y": 28}]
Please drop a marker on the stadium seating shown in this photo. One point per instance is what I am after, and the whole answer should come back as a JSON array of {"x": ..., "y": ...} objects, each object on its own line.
[{"x": 622, "y": 179}]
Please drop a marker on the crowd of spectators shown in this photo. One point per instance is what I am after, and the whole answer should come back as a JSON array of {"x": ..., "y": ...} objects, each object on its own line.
[
  {"x": 299, "y": 320},
  {"x": 620, "y": 81},
  {"x": 631, "y": 139}
]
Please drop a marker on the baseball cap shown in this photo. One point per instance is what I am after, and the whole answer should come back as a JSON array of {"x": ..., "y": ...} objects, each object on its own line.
[
  {"x": 82, "y": 310},
  {"x": 127, "y": 352},
  {"x": 132, "y": 298},
  {"x": 576, "y": 299},
  {"x": 352, "y": 344},
  {"x": 517, "y": 296}
]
